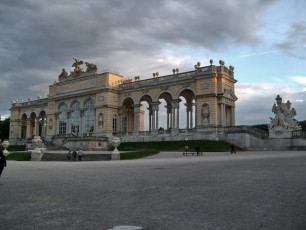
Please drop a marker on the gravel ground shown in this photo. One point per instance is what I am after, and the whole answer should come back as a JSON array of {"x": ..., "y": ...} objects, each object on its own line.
[{"x": 247, "y": 190}]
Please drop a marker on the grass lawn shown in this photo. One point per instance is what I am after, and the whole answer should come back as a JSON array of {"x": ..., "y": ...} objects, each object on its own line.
[
  {"x": 19, "y": 156},
  {"x": 178, "y": 146}
]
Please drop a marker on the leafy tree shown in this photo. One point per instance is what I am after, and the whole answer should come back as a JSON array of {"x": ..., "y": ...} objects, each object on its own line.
[
  {"x": 303, "y": 125},
  {"x": 4, "y": 129}
]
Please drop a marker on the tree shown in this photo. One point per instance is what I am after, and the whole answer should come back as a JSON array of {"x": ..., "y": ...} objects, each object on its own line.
[
  {"x": 5, "y": 129},
  {"x": 303, "y": 125}
]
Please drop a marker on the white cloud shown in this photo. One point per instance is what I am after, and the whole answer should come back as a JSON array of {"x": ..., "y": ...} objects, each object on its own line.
[{"x": 299, "y": 79}]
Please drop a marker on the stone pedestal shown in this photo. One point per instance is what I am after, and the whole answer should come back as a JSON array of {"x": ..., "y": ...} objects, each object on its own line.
[
  {"x": 116, "y": 153},
  {"x": 280, "y": 133},
  {"x": 36, "y": 154}
]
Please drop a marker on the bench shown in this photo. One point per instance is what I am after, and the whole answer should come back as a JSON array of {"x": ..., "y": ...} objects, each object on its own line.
[{"x": 186, "y": 152}]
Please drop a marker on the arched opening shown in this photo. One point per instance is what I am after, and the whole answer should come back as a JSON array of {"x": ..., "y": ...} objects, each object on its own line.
[
  {"x": 165, "y": 112},
  {"x": 24, "y": 126},
  {"x": 145, "y": 113},
  {"x": 42, "y": 124},
  {"x": 75, "y": 118},
  {"x": 187, "y": 109},
  {"x": 128, "y": 115},
  {"x": 89, "y": 116},
  {"x": 32, "y": 125},
  {"x": 62, "y": 119},
  {"x": 115, "y": 123}
]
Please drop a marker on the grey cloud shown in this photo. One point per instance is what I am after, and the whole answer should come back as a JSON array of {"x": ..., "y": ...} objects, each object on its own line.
[
  {"x": 295, "y": 41},
  {"x": 258, "y": 109},
  {"x": 39, "y": 38}
]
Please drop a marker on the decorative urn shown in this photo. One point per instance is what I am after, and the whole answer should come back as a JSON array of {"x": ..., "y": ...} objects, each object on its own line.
[
  {"x": 5, "y": 145},
  {"x": 116, "y": 153},
  {"x": 36, "y": 154}
]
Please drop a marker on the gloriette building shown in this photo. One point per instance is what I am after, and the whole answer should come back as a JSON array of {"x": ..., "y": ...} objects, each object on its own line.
[{"x": 86, "y": 108}]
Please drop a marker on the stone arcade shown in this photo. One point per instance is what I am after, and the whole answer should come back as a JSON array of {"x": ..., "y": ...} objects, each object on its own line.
[{"x": 86, "y": 108}]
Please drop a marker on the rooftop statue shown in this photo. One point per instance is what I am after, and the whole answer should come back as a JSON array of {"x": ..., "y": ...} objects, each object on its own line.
[
  {"x": 63, "y": 74},
  {"x": 76, "y": 65},
  {"x": 283, "y": 116},
  {"x": 91, "y": 68}
]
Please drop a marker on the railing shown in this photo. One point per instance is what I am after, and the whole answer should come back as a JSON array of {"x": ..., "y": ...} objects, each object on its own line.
[
  {"x": 299, "y": 134},
  {"x": 163, "y": 78},
  {"x": 247, "y": 129}
]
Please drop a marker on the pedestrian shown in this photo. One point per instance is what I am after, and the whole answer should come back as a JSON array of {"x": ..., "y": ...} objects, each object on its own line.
[
  {"x": 69, "y": 155},
  {"x": 74, "y": 153},
  {"x": 197, "y": 149},
  {"x": 233, "y": 148},
  {"x": 2, "y": 161},
  {"x": 80, "y": 154}
]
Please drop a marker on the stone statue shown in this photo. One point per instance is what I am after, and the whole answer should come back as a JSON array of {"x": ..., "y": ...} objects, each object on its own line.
[
  {"x": 283, "y": 116},
  {"x": 76, "y": 65},
  {"x": 100, "y": 121},
  {"x": 205, "y": 114},
  {"x": 91, "y": 68},
  {"x": 63, "y": 74}
]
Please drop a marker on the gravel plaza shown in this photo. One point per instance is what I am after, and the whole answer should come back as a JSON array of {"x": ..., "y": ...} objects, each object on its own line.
[{"x": 168, "y": 191}]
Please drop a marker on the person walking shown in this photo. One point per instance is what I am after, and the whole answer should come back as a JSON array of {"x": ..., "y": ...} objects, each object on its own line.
[
  {"x": 2, "y": 161},
  {"x": 69, "y": 155},
  {"x": 80, "y": 154},
  {"x": 233, "y": 150},
  {"x": 74, "y": 153}
]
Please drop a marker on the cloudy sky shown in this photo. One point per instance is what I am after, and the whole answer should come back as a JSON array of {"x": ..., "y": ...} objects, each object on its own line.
[{"x": 264, "y": 40}]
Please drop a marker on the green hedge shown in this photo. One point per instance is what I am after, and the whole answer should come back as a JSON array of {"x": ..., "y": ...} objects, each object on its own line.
[
  {"x": 19, "y": 156},
  {"x": 205, "y": 146},
  {"x": 16, "y": 148}
]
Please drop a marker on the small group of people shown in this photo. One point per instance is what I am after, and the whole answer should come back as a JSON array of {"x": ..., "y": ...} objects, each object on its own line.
[
  {"x": 2, "y": 161},
  {"x": 74, "y": 154}
]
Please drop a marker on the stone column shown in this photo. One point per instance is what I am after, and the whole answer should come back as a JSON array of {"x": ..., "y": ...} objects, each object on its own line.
[
  {"x": 233, "y": 116},
  {"x": 191, "y": 118},
  {"x": 68, "y": 127},
  {"x": 136, "y": 117},
  {"x": 150, "y": 118},
  {"x": 57, "y": 123},
  {"x": 178, "y": 116},
  {"x": 157, "y": 125},
  {"x": 173, "y": 117},
  {"x": 28, "y": 128},
  {"x": 121, "y": 118},
  {"x": 82, "y": 123},
  {"x": 196, "y": 114},
  {"x": 187, "y": 118},
  {"x": 43, "y": 126},
  {"x": 169, "y": 108},
  {"x": 37, "y": 126},
  {"x": 19, "y": 129},
  {"x": 155, "y": 115},
  {"x": 222, "y": 110},
  {"x": 153, "y": 118},
  {"x": 189, "y": 114}
]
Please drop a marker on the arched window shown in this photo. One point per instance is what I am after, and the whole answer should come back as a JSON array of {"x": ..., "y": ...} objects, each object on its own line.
[
  {"x": 89, "y": 116},
  {"x": 115, "y": 123},
  {"x": 62, "y": 119},
  {"x": 75, "y": 118}
]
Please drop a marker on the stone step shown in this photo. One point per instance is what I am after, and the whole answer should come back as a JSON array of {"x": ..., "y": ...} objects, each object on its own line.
[{"x": 85, "y": 157}]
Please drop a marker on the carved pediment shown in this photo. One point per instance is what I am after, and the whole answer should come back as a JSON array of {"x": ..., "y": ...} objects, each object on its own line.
[{"x": 229, "y": 94}]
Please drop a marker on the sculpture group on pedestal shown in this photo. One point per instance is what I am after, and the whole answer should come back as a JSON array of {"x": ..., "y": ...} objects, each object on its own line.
[
  {"x": 283, "y": 120},
  {"x": 91, "y": 68}
]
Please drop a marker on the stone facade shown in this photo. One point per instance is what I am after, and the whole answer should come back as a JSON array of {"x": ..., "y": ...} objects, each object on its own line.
[{"x": 89, "y": 108}]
